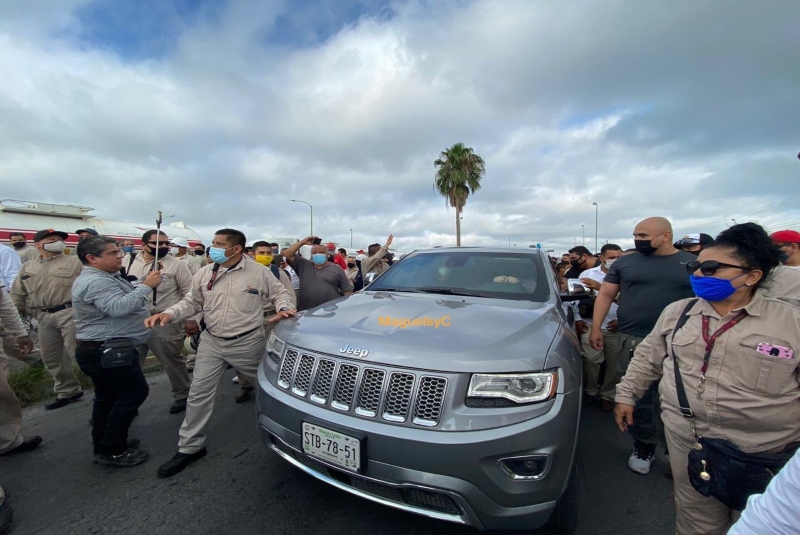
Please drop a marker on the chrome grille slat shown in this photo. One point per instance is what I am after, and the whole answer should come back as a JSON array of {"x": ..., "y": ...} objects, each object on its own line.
[
  {"x": 287, "y": 369},
  {"x": 323, "y": 379},
  {"x": 369, "y": 392},
  {"x": 345, "y": 387},
  {"x": 302, "y": 378},
  {"x": 430, "y": 397},
  {"x": 398, "y": 397}
]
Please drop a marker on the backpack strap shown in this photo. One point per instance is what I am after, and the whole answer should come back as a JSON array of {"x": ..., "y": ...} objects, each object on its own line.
[{"x": 683, "y": 401}]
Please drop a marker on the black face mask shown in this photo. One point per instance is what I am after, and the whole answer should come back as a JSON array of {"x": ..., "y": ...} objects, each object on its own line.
[
  {"x": 199, "y": 253},
  {"x": 645, "y": 247},
  {"x": 783, "y": 257},
  {"x": 576, "y": 263},
  {"x": 159, "y": 253},
  {"x": 351, "y": 264},
  {"x": 19, "y": 244}
]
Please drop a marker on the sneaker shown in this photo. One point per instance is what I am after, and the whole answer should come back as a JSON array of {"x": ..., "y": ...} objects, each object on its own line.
[
  {"x": 63, "y": 402},
  {"x": 131, "y": 457},
  {"x": 642, "y": 457},
  {"x": 179, "y": 462},
  {"x": 179, "y": 405},
  {"x": 29, "y": 444},
  {"x": 244, "y": 394},
  {"x": 235, "y": 379}
]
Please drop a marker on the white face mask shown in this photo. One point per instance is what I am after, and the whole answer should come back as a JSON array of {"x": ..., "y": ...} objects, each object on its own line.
[
  {"x": 173, "y": 251},
  {"x": 609, "y": 262},
  {"x": 55, "y": 247}
]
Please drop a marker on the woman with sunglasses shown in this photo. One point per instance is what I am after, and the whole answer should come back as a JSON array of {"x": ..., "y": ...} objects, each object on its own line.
[{"x": 737, "y": 357}]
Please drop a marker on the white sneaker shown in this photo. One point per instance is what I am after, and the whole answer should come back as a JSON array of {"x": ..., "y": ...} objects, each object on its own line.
[
  {"x": 236, "y": 379},
  {"x": 642, "y": 457}
]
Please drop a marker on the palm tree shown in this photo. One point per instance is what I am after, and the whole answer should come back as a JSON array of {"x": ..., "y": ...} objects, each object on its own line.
[{"x": 458, "y": 174}]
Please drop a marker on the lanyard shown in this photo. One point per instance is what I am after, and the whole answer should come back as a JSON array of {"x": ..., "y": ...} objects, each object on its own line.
[
  {"x": 711, "y": 340},
  {"x": 214, "y": 271}
]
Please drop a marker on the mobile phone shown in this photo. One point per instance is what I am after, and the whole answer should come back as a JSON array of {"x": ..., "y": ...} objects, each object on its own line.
[
  {"x": 775, "y": 351},
  {"x": 316, "y": 241}
]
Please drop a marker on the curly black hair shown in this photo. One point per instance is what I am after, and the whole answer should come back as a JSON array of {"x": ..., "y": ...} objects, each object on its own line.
[{"x": 752, "y": 245}]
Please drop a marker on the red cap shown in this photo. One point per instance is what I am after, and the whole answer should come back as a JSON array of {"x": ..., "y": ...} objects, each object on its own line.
[
  {"x": 331, "y": 246},
  {"x": 785, "y": 236}
]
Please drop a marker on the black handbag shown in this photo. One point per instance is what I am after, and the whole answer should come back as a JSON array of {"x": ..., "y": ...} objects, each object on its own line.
[
  {"x": 717, "y": 467},
  {"x": 118, "y": 352}
]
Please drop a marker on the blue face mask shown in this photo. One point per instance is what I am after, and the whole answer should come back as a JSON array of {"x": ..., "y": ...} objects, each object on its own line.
[
  {"x": 127, "y": 249},
  {"x": 217, "y": 254},
  {"x": 711, "y": 288},
  {"x": 319, "y": 259}
]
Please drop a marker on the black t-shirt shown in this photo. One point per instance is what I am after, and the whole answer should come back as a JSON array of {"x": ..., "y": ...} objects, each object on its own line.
[
  {"x": 647, "y": 284},
  {"x": 575, "y": 272}
]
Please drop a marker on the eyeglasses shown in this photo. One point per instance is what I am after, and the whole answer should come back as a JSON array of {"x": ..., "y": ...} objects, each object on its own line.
[
  {"x": 118, "y": 253},
  {"x": 709, "y": 267}
]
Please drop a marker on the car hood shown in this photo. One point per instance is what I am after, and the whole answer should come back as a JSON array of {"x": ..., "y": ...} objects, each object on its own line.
[{"x": 428, "y": 331}]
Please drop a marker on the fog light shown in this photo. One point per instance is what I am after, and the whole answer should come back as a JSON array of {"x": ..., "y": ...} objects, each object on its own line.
[{"x": 529, "y": 467}]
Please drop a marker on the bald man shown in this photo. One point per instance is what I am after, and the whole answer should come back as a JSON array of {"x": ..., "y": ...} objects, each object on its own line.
[
  {"x": 646, "y": 281},
  {"x": 320, "y": 281}
]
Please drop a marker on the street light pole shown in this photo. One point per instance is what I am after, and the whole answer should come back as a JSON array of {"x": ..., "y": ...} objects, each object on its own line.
[
  {"x": 351, "y": 237},
  {"x": 312, "y": 214},
  {"x": 596, "y": 211},
  {"x": 583, "y": 235}
]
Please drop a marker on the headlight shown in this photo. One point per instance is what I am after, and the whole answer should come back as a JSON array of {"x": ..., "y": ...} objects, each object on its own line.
[
  {"x": 275, "y": 345},
  {"x": 516, "y": 387}
]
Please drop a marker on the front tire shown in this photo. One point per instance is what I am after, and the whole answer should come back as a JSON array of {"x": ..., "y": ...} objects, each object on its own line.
[{"x": 565, "y": 515}]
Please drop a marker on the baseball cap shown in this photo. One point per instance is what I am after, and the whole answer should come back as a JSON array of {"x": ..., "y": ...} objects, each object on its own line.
[
  {"x": 91, "y": 231},
  {"x": 179, "y": 242},
  {"x": 42, "y": 234},
  {"x": 785, "y": 236},
  {"x": 361, "y": 256},
  {"x": 331, "y": 246},
  {"x": 695, "y": 239}
]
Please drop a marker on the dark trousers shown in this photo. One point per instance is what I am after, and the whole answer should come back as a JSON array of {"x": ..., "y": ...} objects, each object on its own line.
[
  {"x": 646, "y": 426},
  {"x": 118, "y": 394}
]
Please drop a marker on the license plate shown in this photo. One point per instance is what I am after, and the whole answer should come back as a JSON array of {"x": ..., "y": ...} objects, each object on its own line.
[{"x": 332, "y": 446}]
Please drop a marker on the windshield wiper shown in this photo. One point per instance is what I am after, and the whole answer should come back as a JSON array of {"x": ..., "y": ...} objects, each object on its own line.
[{"x": 446, "y": 291}]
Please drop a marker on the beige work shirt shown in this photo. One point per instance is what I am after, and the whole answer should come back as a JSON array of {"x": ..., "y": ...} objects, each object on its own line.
[
  {"x": 28, "y": 253},
  {"x": 286, "y": 281},
  {"x": 373, "y": 264},
  {"x": 749, "y": 398},
  {"x": 783, "y": 283},
  {"x": 9, "y": 317},
  {"x": 235, "y": 304},
  {"x": 176, "y": 280},
  {"x": 46, "y": 283},
  {"x": 192, "y": 262},
  {"x": 351, "y": 273}
]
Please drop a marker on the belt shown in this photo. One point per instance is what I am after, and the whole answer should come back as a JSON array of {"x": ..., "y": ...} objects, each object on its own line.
[
  {"x": 89, "y": 343},
  {"x": 59, "y": 308},
  {"x": 229, "y": 338}
]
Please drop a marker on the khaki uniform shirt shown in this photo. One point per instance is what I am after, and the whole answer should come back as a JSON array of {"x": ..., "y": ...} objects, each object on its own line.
[
  {"x": 783, "y": 282},
  {"x": 176, "y": 280},
  {"x": 9, "y": 317},
  {"x": 235, "y": 304},
  {"x": 192, "y": 262},
  {"x": 351, "y": 273},
  {"x": 46, "y": 283},
  {"x": 373, "y": 264},
  {"x": 749, "y": 398},
  {"x": 28, "y": 253}
]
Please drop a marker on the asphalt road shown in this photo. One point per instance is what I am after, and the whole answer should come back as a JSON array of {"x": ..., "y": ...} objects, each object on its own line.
[{"x": 242, "y": 488}]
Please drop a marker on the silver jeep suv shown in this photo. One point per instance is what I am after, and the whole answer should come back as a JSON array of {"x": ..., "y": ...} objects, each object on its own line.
[{"x": 450, "y": 388}]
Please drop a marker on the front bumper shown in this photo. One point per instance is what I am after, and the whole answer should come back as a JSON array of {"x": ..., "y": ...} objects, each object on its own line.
[{"x": 451, "y": 476}]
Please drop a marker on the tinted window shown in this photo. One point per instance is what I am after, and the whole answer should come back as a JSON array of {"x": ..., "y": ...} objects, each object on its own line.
[{"x": 484, "y": 274}]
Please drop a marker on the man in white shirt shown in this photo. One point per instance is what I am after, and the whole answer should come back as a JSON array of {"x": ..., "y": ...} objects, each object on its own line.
[
  {"x": 606, "y": 390},
  {"x": 789, "y": 243}
]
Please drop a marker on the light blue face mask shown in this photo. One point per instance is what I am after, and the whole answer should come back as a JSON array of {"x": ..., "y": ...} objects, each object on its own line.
[
  {"x": 217, "y": 254},
  {"x": 319, "y": 259}
]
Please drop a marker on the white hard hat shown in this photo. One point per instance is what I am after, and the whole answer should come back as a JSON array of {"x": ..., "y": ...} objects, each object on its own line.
[{"x": 179, "y": 242}]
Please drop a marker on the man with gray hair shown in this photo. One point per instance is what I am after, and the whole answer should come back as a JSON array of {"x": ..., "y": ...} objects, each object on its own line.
[{"x": 109, "y": 323}]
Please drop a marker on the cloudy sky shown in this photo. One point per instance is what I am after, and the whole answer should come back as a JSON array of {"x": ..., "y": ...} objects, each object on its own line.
[{"x": 222, "y": 111}]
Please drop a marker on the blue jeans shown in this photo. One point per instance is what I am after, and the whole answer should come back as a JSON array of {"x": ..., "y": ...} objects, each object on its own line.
[
  {"x": 646, "y": 414},
  {"x": 118, "y": 394}
]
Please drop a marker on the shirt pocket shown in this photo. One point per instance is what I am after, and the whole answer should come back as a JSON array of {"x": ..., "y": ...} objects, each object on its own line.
[
  {"x": 251, "y": 302},
  {"x": 688, "y": 346},
  {"x": 765, "y": 373}
]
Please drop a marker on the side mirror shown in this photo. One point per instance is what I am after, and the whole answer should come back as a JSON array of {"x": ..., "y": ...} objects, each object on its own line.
[{"x": 369, "y": 278}]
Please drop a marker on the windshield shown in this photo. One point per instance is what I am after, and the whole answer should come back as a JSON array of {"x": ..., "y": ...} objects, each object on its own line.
[{"x": 512, "y": 276}]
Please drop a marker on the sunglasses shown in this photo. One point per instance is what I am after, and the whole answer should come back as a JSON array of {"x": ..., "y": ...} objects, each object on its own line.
[{"x": 709, "y": 267}]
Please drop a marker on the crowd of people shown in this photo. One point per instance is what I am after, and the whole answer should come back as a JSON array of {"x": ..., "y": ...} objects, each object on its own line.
[{"x": 708, "y": 322}]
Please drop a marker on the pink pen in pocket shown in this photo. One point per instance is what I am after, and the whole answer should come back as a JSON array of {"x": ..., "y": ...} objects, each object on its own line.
[{"x": 775, "y": 351}]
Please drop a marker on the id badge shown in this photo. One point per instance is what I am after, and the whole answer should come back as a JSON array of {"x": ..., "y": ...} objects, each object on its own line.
[{"x": 775, "y": 351}]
